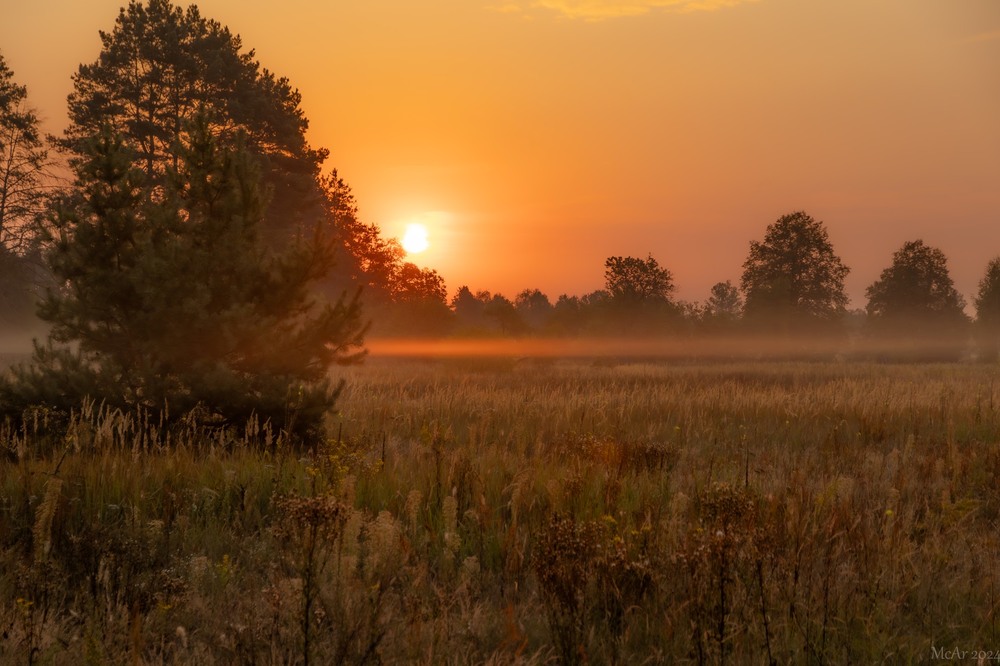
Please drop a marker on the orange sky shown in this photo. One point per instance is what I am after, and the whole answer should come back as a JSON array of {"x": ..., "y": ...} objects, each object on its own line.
[{"x": 537, "y": 137}]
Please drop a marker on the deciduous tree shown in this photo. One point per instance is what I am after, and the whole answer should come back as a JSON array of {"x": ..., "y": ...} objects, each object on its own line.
[
  {"x": 504, "y": 315},
  {"x": 534, "y": 308},
  {"x": 402, "y": 297},
  {"x": 569, "y": 316},
  {"x": 413, "y": 303},
  {"x": 634, "y": 281},
  {"x": 723, "y": 308},
  {"x": 988, "y": 311},
  {"x": 639, "y": 296},
  {"x": 793, "y": 280},
  {"x": 368, "y": 259},
  {"x": 915, "y": 300}
]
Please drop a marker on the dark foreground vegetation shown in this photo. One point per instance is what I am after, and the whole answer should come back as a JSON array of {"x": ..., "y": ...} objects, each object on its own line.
[
  {"x": 487, "y": 511},
  {"x": 177, "y": 487}
]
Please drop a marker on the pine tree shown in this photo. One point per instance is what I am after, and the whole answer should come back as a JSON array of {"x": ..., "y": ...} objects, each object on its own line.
[
  {"x": 23, "y": 161},
  {"x": 23, "y": 178},
  {"x": 158, "y": 67},
  {"x": 172, "y": 301}
]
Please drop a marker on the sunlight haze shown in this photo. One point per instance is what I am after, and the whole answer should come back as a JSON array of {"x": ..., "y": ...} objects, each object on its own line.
[{"x": 550, "y": 135}]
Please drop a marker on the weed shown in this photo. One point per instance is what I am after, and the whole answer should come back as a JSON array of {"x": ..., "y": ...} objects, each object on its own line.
[{"x": 627, "y": 513}]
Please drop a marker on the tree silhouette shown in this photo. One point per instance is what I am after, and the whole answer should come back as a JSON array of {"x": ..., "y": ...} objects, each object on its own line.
[
  {"x": 23, "y": 165},
  {"x": 501, "y": 311},
  {"x": 413, "y": 303},
  {"x": 569, "y": 316},
  {"x": 160, "y": 66},
  {"x": 915, "y": 299},
  {"x": 484, "y": 312},
  {"x": 174, "y": 303},
  {"x": 723, "y": 308},
  {"x": 368, "y": 260},
  {"x": 633, "y": 281},
  {"x": 23, "y": 162},
  {"x": 793, "y": 280},
  {"x": 988, "y": 311},
  {"x": 410, "y": 283},
  {"x": 639, "y": 293},
  {"x": 534, "y": 308},
  {"x": 468, "y": 310}
]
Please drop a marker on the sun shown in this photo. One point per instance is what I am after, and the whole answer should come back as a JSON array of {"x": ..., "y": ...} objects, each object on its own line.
[{"x": 415, "y": 239}]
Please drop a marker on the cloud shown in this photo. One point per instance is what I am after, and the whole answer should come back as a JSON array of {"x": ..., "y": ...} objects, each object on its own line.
[{"x": 599, "y": 10}]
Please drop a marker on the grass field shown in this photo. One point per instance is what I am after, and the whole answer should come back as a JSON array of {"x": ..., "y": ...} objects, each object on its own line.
[{"x": 492, "y": 511}]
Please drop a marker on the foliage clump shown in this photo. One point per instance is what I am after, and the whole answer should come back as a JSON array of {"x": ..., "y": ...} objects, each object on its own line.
[
  {"x": 793, "y": 280},
  {"x": 988, "y": 311},
  {"x": 915, "y": 302},
  {"x": 169, "y": 300}
]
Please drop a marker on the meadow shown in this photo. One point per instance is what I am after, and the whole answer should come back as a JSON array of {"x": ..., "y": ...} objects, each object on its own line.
[{"x": 499, "y": 511}]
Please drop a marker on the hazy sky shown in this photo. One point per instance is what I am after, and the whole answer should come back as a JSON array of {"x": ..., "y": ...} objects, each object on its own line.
[{"x": 535, "y": 138}]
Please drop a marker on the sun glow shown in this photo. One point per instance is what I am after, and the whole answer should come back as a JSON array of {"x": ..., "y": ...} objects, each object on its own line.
[{"x": 415, "y": 239}]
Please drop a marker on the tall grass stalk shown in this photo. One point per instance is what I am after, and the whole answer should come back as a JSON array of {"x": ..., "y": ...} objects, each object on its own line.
[{"x": 471, "y": 512}]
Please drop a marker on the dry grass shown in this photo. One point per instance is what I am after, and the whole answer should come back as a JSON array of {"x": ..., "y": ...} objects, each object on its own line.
[{"x": 487, "y": 511}]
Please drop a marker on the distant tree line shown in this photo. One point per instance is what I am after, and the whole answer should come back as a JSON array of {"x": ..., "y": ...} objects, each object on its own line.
[{"x": 792, "y": 287}]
